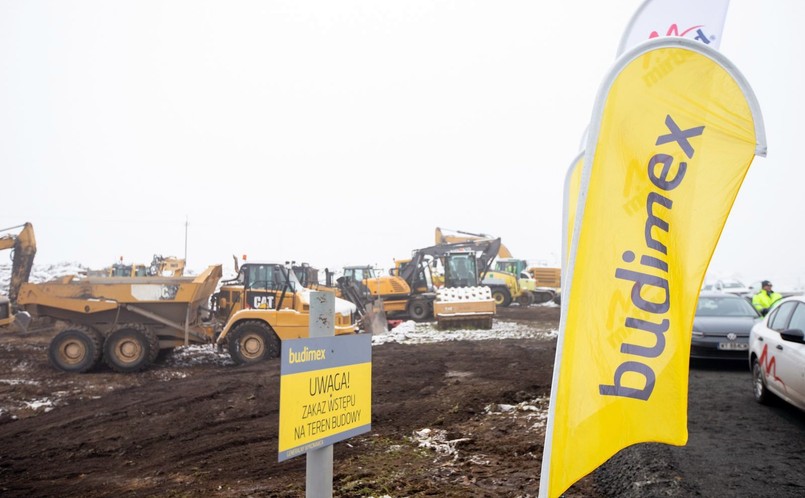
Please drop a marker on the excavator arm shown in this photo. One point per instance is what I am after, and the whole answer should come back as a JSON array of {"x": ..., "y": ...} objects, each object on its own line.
[
  {"x": 485, "y": 250},
  {"x": 458, "y": 236},
  {"x": 23, "y": 247}
]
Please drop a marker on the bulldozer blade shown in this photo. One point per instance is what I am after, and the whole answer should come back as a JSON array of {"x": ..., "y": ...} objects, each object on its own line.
[
  {"x": 374, "y": 320},
  {"x": 22, "y": 320}
]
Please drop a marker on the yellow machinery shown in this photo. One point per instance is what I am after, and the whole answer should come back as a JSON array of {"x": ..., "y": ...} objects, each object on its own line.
[
  {"x": 23, "y": 246},
  {"x": 167, "y": 266},
  {"x": 370, "y": 310},
  {"x": 538, "y": 293},
  {"x": 127, "y": 321},
  {"x": 265, "y": 304},
  {"x": 124, "y": 320},
  {"x": 449, "y": 238},
  {"x": 160, "y": 266},
  {"x": 505, "y": 286},
  {"x": 123, "y": 270},
  {"x": 461, "y": 299},
  {"x": 393, "y": 290},
  {"x": 547, "y": 277},
  {"x": 550, "y": 278}
]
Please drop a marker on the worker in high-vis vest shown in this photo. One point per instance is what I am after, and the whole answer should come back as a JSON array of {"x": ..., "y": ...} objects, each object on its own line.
[{"x": 765, "y": 298}]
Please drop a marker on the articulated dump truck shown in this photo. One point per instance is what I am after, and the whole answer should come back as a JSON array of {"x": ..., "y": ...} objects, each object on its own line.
[{"x": 126, "y": 321}]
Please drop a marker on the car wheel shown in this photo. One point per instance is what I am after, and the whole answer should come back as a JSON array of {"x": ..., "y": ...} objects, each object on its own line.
[{"x": 762, "y": 394}]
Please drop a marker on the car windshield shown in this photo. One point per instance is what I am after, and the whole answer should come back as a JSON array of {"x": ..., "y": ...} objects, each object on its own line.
[{"x": 724, "y": 306}]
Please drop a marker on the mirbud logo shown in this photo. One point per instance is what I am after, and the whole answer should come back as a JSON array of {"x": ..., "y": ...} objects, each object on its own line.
[
  {"x": 694, "y": 32},
  {"x": 697, "y": 20}
]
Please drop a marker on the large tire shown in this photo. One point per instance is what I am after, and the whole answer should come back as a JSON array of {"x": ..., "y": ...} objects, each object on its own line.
[
  {"x": 526, "y": 298},
  {"x": 543, "y": 297},
  {"x": 130, "y": 348},
  {"x": 251, "y": 342},
  {"x": 75, "y": 349},
  {"x": 501, "y": 296},
  {"x": 418, "y": 309},
  {"x": 762, "y": 394}
]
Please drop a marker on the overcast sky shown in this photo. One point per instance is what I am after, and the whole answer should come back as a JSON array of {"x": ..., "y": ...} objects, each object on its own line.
[{"x": 344, "y": 132}]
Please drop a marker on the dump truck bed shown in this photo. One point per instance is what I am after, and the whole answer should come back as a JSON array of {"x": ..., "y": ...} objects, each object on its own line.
[{"x": 167, "y": 301}]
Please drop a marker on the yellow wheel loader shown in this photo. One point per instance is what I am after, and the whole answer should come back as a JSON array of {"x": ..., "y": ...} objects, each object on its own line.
[
  {"x": 264, "y": 305},
  {"x": 533, "y": 292}
]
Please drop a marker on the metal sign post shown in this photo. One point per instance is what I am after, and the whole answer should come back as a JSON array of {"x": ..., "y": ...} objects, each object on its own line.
[
  {"x": 325, "y": 394},
  {"x": 319, "y": 474}
]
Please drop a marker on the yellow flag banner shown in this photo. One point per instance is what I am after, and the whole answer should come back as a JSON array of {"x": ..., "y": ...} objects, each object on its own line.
[
  {"x": 673, "y": 133},
  {"x": 569, "y": 204}
]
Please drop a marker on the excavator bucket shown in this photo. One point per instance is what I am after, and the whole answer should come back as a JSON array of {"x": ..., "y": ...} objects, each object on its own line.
[
  {"x": 374, "y": 318},
  {"x": 22, "y": 320}
]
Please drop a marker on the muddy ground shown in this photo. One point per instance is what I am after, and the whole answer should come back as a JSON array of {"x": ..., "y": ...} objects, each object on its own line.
[{"x": 461, "y": 418}]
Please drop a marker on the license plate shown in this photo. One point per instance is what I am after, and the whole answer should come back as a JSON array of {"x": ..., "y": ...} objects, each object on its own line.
[{"x": 733, "y": 346}]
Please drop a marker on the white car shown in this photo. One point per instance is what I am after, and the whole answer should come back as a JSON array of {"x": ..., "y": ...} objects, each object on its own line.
[
  {"x": 777, "y": 353},
  {"x": 730, "y": 286}
]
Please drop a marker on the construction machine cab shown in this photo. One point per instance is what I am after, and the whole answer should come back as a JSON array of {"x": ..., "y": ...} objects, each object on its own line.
[
  {"x": 360, "y": 273},
  {"x": 257, "y": 286},
  {"x": 511, "y": 265},
  {"x": 270, "y": 276},
  {"x": 460, "y": 269},
  {"x": 124, "y": 270},
  {"x": 306, "y": 274}
]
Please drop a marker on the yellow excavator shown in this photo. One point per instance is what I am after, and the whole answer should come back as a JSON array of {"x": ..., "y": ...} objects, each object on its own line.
[
  {"x": 23, "y": 246},
  {"x": 461, "y": 299},
  {"x": 506, "y": 287}
]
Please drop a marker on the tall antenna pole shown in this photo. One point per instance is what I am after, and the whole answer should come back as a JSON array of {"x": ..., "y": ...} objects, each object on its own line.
[{"x": 185, "y": 239}]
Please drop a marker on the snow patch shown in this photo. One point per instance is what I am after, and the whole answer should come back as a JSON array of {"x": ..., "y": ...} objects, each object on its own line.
[
  {"x": 41, "y": 273},
  {"x": 36, "y": 404},
  {"x": 410, "y": 332},
  {"x": 19, "y": 382},
  {"x": 534, "y": 411},
  {"x": 436, "y": 439},
  {"x": 198, "y": 354}
]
